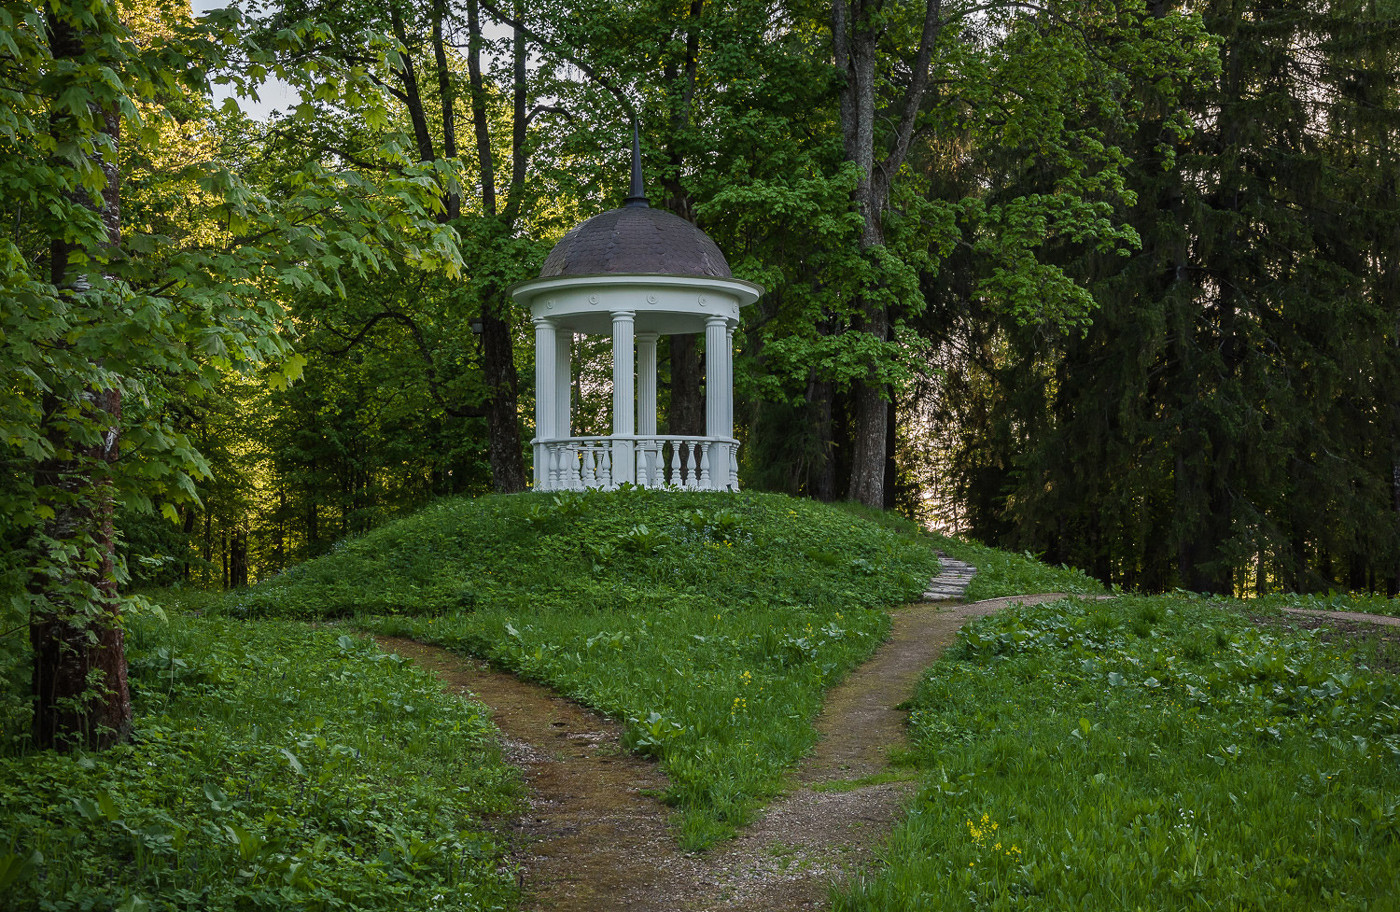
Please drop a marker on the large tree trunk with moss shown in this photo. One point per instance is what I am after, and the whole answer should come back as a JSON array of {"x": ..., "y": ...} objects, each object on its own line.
[{"x": 81, "y": 697}]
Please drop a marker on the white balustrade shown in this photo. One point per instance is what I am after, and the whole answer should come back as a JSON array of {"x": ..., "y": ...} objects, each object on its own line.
[{"x": 685, "y": 463}]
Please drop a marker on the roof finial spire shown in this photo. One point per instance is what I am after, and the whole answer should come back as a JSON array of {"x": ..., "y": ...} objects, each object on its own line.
[{"x": 638, "y": 196}]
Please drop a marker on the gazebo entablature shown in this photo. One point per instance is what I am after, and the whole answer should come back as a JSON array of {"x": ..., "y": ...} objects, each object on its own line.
[{"x": 636, "y": 310}]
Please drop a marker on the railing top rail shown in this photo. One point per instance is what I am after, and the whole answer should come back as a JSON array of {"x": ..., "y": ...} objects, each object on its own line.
[{"x": 636, "y": 438}]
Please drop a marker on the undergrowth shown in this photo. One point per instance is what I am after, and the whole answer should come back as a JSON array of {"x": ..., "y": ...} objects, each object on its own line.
[
  {"x": 709, "y": 624},
  {"x": 272, "y": 766},
  {"x": 1146, "y": 753}
]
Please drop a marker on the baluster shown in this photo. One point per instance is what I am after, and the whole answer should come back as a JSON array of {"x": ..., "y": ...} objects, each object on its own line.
[
  {"x": 705, "y": 482},
  {"x": 551, "y": 467},
  {"x": 733, "y": 468},
  {"x": 587, "y": 477},
  {"x": 648, "y": 473},
  {"x": 692, "y": 466},
  {"x": 605, "y": 474}
]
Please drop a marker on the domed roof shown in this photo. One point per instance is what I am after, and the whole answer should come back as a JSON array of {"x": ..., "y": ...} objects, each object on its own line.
[{"x": 636, "y": 240}]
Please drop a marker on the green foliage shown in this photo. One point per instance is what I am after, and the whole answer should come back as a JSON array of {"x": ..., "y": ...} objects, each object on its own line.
[
  {"x": 1056, "y": 102},
  {"x": 709, "y": 623},
  {"x": 94, "y": 308},
  {"x": 1234, "y": 436},
  {"x": 1195, "y": 762},
  {"x": 271, "y": 766}
]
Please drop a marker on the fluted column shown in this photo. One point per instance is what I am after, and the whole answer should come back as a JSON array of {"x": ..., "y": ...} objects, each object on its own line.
[
  {"x": 563, "y": 385},
  {"x": 646, "y": 384},
  {"x": 731, "y": 474},
  {"x": 624, "y": 399},
  {"x": 546, "y": 362},
  {"x": 719, "y": 396}
]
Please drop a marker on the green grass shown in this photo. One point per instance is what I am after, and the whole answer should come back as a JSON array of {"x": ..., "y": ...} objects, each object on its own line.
[
  {"x": 1147, "y": 753},
  {"x": 630, "y": 549},
  {"x": 1002, "y": 573},
  {"x": 272, "y": 766},
  {"x": 709, "y": 624}
]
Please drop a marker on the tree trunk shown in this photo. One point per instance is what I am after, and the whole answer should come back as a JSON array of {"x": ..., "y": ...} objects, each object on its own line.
[
  {"x": 821, "y": 475},
  {"x": 855, "y": 30},
  {"x": 480, "y": 127},
  {"x": 687, "y": 412},
  {"x": 891, "y": 464},
  {"x": 452, "y": 205},
  {"x": 1393, "y": 587},
  {"x": 187, "y": 527},
  {"x": 504, "y": 448},
  {"x": 868, "y": 446},
  {"x": 502, "y": 422},
  {"x": 79, "y": 680},
  {"x": 238, "y": 560},
  {"x": 687, "y": 415},
  {"x": 413, "y": 99},
  {"x": 79, "y": 683}
]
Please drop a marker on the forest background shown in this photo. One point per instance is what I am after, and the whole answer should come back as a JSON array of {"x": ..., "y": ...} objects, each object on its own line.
[{"x": 1110, "y": 282}]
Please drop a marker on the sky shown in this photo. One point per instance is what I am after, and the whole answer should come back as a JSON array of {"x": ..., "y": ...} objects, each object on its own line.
[{"x": 272, "y": 95}]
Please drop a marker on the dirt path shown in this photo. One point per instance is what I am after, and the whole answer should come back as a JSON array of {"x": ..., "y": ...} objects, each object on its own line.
[
  {"x": 1357, "y": 616},
  {"x": 595, "y": 838}
]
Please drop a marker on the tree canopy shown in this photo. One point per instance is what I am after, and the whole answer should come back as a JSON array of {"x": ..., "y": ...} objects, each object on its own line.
[{"x": 1113, "y": 280}]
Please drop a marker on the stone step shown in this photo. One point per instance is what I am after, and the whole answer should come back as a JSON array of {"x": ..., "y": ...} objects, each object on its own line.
[{"x": 952, "y": 581}]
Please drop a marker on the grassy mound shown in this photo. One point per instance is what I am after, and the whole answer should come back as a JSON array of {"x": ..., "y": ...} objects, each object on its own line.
[
  {"x": 1191, "y": 759},
  {"x": 271, "y": 766},
  {"x": 628, "y": 549},
  {"x": 710, "y": 624}
]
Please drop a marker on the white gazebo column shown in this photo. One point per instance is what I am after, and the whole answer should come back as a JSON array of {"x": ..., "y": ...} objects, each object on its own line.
[
  {"x": 648, "y": 454},
  {"x": 546, "y": 362},
  {"x": 624, "y": 400},
  {"x": 646, "y": 384},
  {"x": 563, "y": 386},
  {"x": 727, "y": 419},
  {"x": 719, "y": 397}
]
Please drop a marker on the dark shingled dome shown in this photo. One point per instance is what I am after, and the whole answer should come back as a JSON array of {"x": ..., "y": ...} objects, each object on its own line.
[{"x": 636, "y": 240}]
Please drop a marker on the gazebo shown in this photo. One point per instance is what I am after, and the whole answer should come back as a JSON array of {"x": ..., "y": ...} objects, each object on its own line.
[{"x": 638, "y": 273}]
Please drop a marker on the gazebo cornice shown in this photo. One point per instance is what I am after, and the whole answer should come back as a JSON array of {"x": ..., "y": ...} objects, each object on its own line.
[{"x": 661, "y": 303}]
